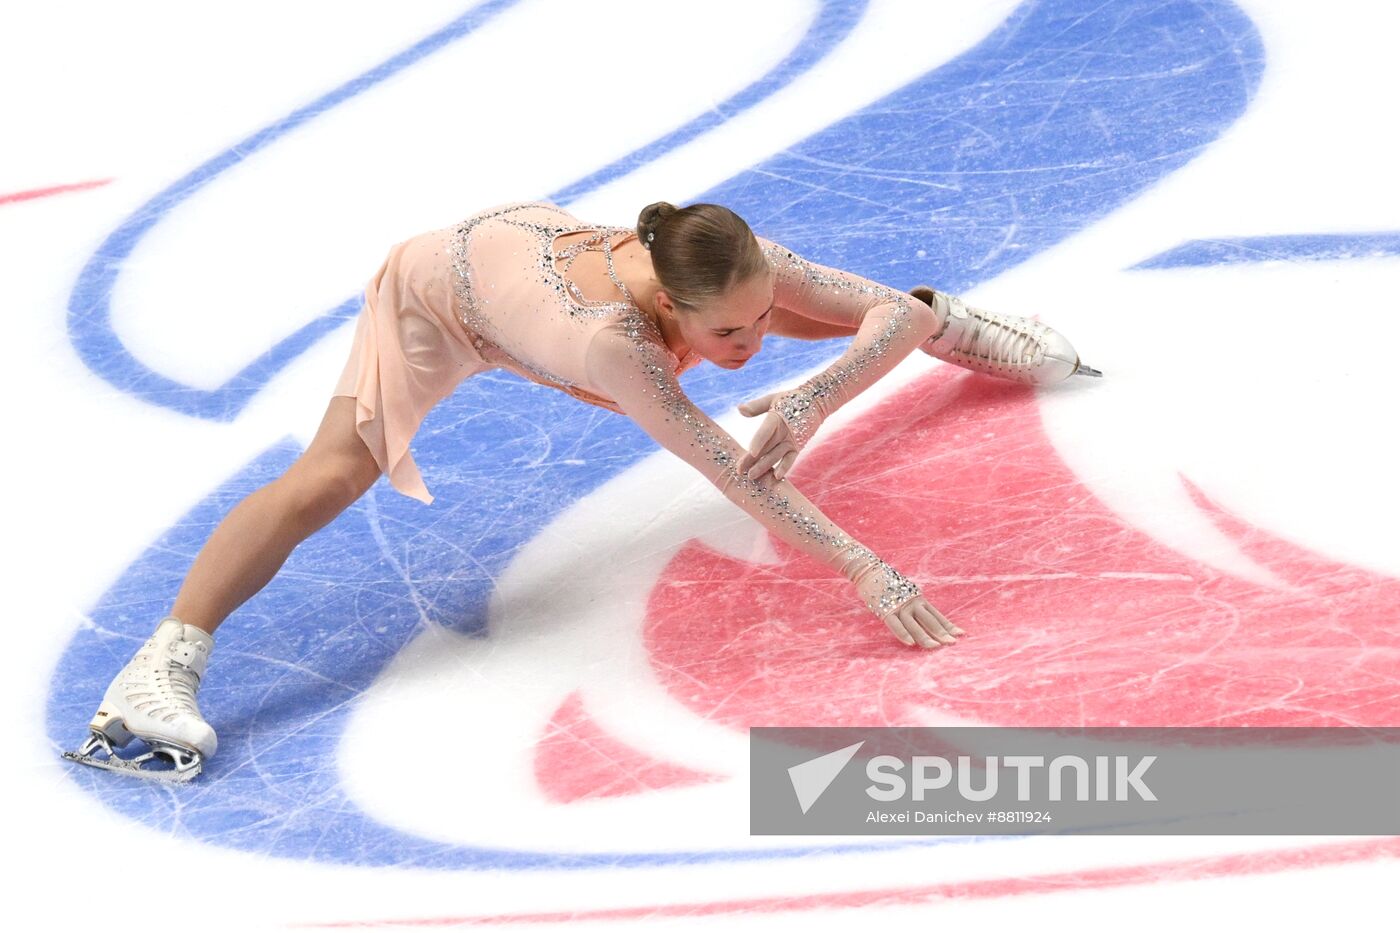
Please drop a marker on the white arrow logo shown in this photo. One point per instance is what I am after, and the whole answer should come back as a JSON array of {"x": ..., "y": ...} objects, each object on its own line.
[{"x": 811, "y": 778}]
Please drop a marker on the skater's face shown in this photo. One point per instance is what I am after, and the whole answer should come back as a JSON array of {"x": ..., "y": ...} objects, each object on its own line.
[{"x": 728, "y": 332}]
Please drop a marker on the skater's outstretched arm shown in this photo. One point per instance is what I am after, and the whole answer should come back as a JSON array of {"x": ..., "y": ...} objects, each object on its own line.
[
  {"x": 888, "y": 324},
  {"x": 824, "y": 293},
  {"x": 788, "y": 323},
  {"x": 632, "y": 365},
  {"x": 814, "y": 302}
]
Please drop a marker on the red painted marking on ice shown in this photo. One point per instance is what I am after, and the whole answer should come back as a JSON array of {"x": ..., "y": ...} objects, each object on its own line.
[
  {"x": 577, "y": 760},
  {"x": 1073, "y": 616},
  {"x": 46, "y": 192},
  {"x": 1194, "y": 869}
]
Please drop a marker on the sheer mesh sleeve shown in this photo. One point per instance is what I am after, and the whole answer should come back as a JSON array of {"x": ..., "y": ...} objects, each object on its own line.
[
  {"x": 638, "y": 372},
  {"x": 890, "y": 324}
]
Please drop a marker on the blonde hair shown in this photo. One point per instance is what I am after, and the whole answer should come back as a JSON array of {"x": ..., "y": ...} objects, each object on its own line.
[{"x": 699, "y": 252}]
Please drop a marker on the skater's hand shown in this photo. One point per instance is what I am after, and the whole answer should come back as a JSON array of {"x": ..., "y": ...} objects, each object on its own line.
[
  {"x": 911, "y": 620},
  {"x": 917, "y": 620},
  {"x": 773, "y": 448}
]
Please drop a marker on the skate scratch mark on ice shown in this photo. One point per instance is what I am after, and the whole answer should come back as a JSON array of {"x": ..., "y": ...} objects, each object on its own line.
[
  {"x": 1236, "y": 49},
  {"x": 1035, "y": 49},
  {"x": 1064, "y": 92},
  {"x": 973, "y": 128},
  {"x": 1012, "y": 229},
  {"x": 288, "y": 666},
  {"x": 814, "y": 189},
  {"x": 547, "y": 447},
  {"x": 828, "y": 29},
  {"x": 1023, "y": 170},
  {"x": 903, "y": 175},
  {"x": 262, "y": 748},
  {"x": 372, "y": 519}
]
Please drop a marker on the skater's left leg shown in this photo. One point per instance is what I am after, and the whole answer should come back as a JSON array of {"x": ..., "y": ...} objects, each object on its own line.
[
  {"x": 253, "y": 541},
  {"x": 154, "y": 696}
]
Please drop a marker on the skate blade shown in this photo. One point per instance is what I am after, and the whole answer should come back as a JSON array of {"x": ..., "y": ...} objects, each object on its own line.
[
  {"x": 187, "y": 763},
  {"x": 1084, "y": 370}
]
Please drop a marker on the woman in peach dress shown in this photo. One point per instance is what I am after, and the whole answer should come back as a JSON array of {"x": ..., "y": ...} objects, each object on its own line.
[{"x": 612, "y": 316}]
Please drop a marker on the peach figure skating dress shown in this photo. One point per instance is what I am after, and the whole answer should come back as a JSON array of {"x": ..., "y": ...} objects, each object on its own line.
[{"x": 489, "y": 293}]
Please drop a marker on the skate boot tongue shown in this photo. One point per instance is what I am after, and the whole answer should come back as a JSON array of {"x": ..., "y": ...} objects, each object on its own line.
[
  {"x": 184, "y": 644},
  {"x": 199, "y": 638}
]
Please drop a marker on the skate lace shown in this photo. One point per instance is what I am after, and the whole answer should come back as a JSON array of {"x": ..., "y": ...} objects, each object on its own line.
[
  {"x": 181, "y": 684},
  {"x": 171, "y": 691},
  {"x": 998, "y": 340}
]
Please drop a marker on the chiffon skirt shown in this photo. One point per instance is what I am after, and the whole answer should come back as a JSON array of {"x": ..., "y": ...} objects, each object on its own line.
[{"x": 410, "y": 351}]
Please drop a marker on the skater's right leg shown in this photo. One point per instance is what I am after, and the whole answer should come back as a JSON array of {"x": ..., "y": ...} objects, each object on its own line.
[{"x": 253, "y": 541}]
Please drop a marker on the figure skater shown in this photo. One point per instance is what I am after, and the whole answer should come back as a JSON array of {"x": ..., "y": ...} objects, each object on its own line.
[{"x": 612, "y": 316}]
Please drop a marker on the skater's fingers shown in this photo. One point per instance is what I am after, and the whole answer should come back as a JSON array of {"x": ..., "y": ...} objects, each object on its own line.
[
  {"x": 944, "y": 619},
  {"x": 766, "y": 434},
  {"x": 897, "y": 627},
  {"x": 756, "y": 406},
  {"x": 761, "y": 444},
  {"x": 767, "y": 460},
  {"x": 928, "y": 617},
  {"x": 912, "y": 624},
  {"x": 785, "y": 464}
]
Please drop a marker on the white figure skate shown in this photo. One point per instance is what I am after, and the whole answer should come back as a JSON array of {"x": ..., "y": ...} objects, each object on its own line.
[
  {"x": 153, "y": 699},
  {"x": 1015, "y": 348}
]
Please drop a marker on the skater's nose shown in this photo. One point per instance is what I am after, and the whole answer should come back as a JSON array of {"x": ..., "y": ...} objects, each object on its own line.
[{"x": 747, "y": 347}]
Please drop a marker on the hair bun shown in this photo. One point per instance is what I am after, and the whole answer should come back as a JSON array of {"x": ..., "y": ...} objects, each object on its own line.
[
  {"x": 651, "y": 218},
  {"x": 698, "y": 252}
]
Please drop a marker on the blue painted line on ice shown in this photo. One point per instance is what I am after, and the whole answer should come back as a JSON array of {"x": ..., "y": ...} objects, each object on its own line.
[
  {"x": 1298, "y": 247},
  {"x": 89, "y": 307}
]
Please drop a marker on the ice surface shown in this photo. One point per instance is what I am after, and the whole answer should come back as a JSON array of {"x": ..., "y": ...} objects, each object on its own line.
[{"x": 530, "y": 698}]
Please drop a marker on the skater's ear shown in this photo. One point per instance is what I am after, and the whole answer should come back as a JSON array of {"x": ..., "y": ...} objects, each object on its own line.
[{"x": 665, "y": 304}]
